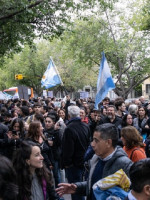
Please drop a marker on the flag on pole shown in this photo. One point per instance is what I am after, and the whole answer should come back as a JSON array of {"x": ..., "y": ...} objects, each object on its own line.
[
  {"x": 51, "y": 76},
  {"x": 105, "y": 82}
]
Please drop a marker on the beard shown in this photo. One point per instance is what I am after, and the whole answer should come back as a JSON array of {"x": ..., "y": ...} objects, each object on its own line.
[{"x": 110, "y": 116}]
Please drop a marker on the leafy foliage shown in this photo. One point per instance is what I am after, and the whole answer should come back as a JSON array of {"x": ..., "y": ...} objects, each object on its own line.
[
  {"x": 146, "y": 15},
  {"x": 126, "y": 48},
  {"x": 21, "y": 21},
  {"x": 77, "y": 52}
]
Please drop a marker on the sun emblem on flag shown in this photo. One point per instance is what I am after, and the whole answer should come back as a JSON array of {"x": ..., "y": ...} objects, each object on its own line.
[{"x": 43, "y": 77}]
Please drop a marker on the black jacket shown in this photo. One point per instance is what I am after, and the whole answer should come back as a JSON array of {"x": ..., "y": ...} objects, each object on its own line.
[
  {"x": 117, "y": 121},
  {"x": 55, "y": 136},
  {"x": 3, "y": 138},
  {"x": 75, "y": 142}
]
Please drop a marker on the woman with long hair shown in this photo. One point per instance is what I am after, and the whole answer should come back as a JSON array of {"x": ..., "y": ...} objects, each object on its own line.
[
  {"x": 33, "y": 178},
  {"x": 18, "y": 126},
  {"x": 16, "y": 134},
  {"x": 133, "y": 143},
  {"x": 35, "y": 134},
  {"x": 140, "y": 121},
  {"x": 127, "y": 120}
]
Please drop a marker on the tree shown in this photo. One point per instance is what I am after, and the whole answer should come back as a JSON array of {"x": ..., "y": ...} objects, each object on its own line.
[
  {"x": 77, "y": 52},
  {"x": 21, "y": 21},
  {"x": 126, "y": 47},
  {"x": 32, "y": 63},
  {"x": 145, "y": 15}
]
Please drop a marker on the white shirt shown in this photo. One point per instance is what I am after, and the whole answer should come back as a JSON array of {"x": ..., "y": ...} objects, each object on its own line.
[
  {"x": 110, "y": 156},
  {"x": 131, "y": 197}
]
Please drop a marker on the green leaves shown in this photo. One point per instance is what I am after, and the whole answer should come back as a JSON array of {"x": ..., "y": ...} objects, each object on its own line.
[{"x": 21, "y": 21}]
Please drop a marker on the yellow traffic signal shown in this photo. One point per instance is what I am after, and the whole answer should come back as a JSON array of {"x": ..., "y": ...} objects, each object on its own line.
[{"x": 18, "y": 77}]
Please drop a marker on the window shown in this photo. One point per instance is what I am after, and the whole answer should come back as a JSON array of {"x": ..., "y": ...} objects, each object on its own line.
[{"x": 148, "y": 88}]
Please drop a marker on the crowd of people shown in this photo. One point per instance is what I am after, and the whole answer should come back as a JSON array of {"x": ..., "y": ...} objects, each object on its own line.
[{"x": 43, "y": 145}]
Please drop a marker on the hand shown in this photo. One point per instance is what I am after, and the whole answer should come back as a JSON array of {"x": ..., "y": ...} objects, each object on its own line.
[
  {"x": 66, "y": 188},
  {"x": 51, "y": 167},
  {"x": 45, "y": 115},
  {"x": 57, "y": 126},
  {"x": 68, "y": 97},
  {"x": 50, "y": 142},
  {"x": 26, "y": 125},
  {"x": 9, "y": 134},
  {"x": 96, "y": 118},
  {"x": 146, "y": 126},
  {"x": 15, "y": 137}
]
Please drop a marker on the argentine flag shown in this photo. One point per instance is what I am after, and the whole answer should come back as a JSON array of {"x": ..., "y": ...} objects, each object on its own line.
[
  {"x": 51, "y": 76},
  {"x": 105, "y": 82}
]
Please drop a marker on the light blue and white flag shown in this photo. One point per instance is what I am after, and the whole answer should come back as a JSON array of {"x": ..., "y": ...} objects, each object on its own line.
[
  {"x": 7, "y": 96},
  {"x": 105, "y": 82},
  {"x": 51, "y": 76}
]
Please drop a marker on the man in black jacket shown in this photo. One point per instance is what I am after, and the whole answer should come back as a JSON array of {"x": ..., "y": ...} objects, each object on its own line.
[
  {"x": 75, "y": 142},
  {"x": 111, "y": 116}
]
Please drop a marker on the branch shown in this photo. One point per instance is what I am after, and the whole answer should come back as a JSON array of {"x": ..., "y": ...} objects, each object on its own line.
[
  {"x": 125, "y": 71},
  {"x": 128, "y": 78},
  {"x": 111, "y": 28},
  {"x": 20, "y": 11},
  {"x": 27, "y": 22},
  {"x": 95, "y": 61},
  {"x": 121, "y": 66},
  {"x": 137, "y": 83}
]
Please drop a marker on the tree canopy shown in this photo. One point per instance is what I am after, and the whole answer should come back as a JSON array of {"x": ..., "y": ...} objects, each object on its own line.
[
  {"x": 21, "y": 21},
  {"x": 125, "y": 45},
  {"x": 32, "y": 63},
  {"x": 77, "y": 52},
  {"x": 146, "y": 15}
]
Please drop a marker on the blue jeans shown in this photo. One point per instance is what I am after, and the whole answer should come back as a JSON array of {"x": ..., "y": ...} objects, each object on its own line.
[
  {"x": 56, "y": 172},
  {"x": 74, "y": 174}
]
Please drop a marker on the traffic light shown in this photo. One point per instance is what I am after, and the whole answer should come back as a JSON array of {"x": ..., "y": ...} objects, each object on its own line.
[{"x": 18, "y": 77}]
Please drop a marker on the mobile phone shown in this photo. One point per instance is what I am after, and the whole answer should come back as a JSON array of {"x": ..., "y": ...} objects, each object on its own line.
[{"x": 15, "y": 132}]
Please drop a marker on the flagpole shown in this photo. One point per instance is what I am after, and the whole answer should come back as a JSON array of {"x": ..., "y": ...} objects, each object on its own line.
[{"x": 57, "y": 71}]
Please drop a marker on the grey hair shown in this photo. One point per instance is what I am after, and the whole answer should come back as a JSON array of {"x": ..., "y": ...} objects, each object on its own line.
[
  {"x": 73, "y": 111},
  {"x": 133, "y": 108}
]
